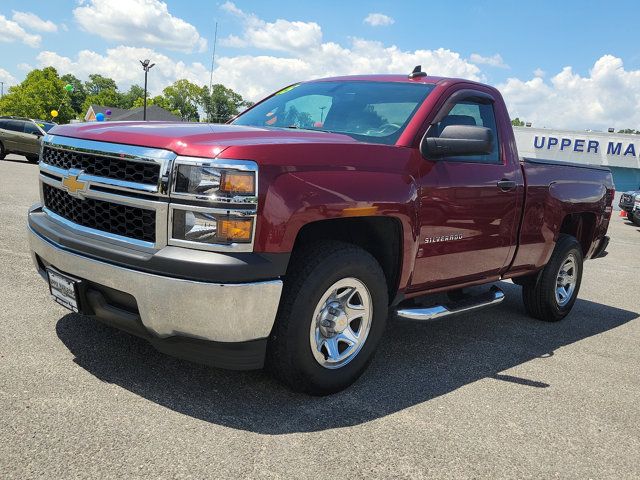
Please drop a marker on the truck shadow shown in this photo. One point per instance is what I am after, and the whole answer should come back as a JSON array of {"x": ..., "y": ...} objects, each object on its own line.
[{"x": 415, "y": 363}]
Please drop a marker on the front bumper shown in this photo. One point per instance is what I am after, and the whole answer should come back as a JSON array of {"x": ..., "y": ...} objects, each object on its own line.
[{"x": 168, "y": 311}]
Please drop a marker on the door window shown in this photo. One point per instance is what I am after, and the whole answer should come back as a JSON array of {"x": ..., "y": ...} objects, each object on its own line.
[
  {"x": 31, "y": 128},
  {"x": 470, "y": 112},
  {"x": 15, "y": 125}
]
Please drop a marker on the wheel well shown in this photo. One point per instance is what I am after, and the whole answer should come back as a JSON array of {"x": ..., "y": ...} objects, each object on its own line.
[
  {"x": 582, "y": 227},
  {"x": 380, "y": 236}
]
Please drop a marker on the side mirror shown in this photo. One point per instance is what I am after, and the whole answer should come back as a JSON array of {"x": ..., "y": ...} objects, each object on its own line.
[{"x": 458, "y": 140}]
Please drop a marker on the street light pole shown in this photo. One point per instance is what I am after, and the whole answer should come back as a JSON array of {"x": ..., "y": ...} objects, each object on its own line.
[
  {"x": 146, "y": 67},
  {"x": 2, "y": 91}
]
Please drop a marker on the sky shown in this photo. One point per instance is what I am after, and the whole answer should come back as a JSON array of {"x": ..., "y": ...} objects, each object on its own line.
[{"x": 562, "y": 64}]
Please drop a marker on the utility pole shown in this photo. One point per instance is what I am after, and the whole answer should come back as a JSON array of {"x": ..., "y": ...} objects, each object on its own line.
[
  {"x": 2, "y": 91},
  {"x": 213, "y": 59},
  {"x": 146, "y": 67}
]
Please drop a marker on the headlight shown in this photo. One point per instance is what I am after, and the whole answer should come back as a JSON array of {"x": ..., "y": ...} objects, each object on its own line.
[
  {"x": 209, "y": 181},
  {"x": 213, "y": 228}
]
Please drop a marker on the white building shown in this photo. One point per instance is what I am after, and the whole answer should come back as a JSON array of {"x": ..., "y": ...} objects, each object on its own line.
[{"x": 620, "y": 152}]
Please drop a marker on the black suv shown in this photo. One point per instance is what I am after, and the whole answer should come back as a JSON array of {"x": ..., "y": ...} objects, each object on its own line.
[{"x": 22, "y": 136}]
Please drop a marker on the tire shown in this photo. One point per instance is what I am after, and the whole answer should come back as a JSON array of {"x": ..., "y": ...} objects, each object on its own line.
[
  {"x": 313, "y": 274},
  {"x": 540, "y": 298},
  {"x": 3, "y": 153},
  {"x": 33, "y": 158},
  {"x": 634, "y": 218}
]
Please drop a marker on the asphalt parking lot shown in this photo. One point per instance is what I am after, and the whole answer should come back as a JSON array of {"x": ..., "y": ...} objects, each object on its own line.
[{"x": 493, "y": 394}]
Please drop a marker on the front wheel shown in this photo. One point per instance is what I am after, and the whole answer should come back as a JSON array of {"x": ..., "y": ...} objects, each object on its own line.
[
  {"x": 33, "y": 158},
  {"x": 551, "y": 295},
  {"x": 331, "y": 317}
]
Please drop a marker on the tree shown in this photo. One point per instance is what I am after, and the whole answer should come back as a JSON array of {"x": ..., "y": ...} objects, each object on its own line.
[
  {"x": 98, "y": 83},
  {"x": 39, "y": 93},
  {"x": 184, "y": 97},
  {"x": 106, "y": 98},
  {"x": 629, "y": 130},
  {"x": 136, "y": 92},
  {"x": 221, "y": 104},
  {"x": 79, "y": 94},
  {"x": 516, "y": 122},
  {"x": 159, "y": 101}
]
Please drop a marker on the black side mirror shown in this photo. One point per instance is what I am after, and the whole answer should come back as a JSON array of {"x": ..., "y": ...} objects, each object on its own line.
[{"x": 458, "y": 140}]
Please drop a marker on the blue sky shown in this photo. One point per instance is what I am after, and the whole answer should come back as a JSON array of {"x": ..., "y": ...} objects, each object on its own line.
[{"x": 521, "y": 47}]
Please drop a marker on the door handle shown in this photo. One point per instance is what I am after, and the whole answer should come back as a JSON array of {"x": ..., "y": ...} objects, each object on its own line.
[{"x": 506, "y": 185}]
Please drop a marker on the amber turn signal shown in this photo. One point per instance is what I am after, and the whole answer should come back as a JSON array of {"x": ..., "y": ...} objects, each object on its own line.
[
  {"x": 235, "y": 230},
  {"x": 237, "y": 182}
]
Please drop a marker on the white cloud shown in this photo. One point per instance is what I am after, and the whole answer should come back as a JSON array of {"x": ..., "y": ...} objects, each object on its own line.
[
  {"x": 122, "y": 64},
  {"x": 310, "y": 57},
  {"x": 11, "y": 32},
  {"x": 34, "y": 22},
  {"x": 378, "y": 20},
  {"x": 281, "y": 35},
  {"x": 493, "y": 61},
  {"x": 145, "y": 23},
  {"x": 7, "y": 78},
  {"x": 608, "y": 96},
  {"x": 538, "y": 72}
]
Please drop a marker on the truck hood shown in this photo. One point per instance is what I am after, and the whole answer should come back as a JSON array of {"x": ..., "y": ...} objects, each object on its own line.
[{"x": 192, "y": 139}]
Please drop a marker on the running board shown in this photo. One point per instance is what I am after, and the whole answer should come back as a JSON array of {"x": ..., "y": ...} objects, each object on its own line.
[{"x": 492, "y": 297}]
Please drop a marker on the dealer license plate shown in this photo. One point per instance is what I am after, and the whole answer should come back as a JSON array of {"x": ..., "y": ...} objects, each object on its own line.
[{"x": 63, "y": 289}]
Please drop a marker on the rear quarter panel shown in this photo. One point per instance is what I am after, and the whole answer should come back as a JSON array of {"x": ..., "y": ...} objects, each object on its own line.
[{"x": 554, "y": 191}]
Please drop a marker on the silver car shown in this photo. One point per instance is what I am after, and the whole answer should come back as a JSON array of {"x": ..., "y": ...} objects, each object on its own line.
[{"x": 22, "y": 136}]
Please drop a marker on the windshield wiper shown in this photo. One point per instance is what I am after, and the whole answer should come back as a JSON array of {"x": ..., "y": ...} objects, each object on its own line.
[{"x": 295, "y": 127}]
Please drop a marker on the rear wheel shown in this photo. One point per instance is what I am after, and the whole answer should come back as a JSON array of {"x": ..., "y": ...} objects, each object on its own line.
[
  {"x": 3, "y": 153},
  {"x": 33, "y": 158},
  {"x": 551, "y": 295},
  {"x": 331, "y": 317}
]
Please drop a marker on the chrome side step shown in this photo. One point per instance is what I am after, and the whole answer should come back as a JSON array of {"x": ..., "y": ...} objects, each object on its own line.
[{"x": 494, "y": 296}]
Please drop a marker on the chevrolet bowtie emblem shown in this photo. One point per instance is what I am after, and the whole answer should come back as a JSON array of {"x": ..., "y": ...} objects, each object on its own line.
[{"x": 72, "y": 185}]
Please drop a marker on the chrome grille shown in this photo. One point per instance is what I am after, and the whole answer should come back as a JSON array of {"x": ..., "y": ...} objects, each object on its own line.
[
  {"x": 102, "y": 166},
  {"x": 114, "y": 218}
]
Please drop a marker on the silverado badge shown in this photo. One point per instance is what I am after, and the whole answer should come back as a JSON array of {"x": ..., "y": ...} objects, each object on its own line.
[
  {"x": 443, "y": 238},
  {"x": 72, "y": 185}
]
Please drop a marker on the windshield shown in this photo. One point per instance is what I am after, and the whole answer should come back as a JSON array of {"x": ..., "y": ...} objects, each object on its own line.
[
  {"x": 46, "y": 126},
  {"x": 367, "y": 111}
]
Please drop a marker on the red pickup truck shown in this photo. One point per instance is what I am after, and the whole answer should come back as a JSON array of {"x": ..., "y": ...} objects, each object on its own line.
[{"x": 286, "y": 238}]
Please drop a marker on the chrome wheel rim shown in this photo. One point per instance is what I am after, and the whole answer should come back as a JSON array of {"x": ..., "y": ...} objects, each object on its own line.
[
  {"x": 566, "y": 280},
  {"x": 341, "y": 322}
]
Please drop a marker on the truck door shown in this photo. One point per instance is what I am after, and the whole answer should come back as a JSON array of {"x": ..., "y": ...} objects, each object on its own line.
[{"x": 469, "y": 206}]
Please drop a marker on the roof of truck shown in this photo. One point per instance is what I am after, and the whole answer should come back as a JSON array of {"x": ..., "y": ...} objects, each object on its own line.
[{"x": 394, "y": 78}]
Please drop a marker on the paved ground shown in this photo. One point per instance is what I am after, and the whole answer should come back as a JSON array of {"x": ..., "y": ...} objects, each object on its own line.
[{"x": 490, "y": 395}]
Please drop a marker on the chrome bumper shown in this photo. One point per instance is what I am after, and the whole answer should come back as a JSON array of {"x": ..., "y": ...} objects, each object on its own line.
[{"x": 175, "y": 307}]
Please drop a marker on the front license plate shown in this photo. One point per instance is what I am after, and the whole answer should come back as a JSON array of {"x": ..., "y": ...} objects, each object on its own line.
[{"x": 63, "y": 289}]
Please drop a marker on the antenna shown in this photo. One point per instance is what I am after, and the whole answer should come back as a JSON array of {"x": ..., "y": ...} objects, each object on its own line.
[
  {"x": 213, "y": 59},
  {"x": 417, "y": 72}
]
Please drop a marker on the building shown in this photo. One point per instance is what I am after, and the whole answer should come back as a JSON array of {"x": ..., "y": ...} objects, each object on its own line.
[
  {"x": 618, "y": 151},
  {"x": 154, "y": 113}
]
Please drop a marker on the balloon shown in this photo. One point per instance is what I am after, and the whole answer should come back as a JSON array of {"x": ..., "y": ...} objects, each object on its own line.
[
  {"x": 108, "y": 112},
  {"x": 100, "y": 117},
  {"x": 68, "y": 87},
  {"x": 54, "y": 113}
]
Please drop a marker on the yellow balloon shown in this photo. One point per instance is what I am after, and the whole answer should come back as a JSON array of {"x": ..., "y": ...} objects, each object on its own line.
[{"x": 54, "y": 113}]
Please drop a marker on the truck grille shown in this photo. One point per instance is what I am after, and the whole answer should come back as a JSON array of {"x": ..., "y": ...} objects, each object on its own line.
[
  {"x": 131, "y": 222},
  {"x": 101, "y": 166}
]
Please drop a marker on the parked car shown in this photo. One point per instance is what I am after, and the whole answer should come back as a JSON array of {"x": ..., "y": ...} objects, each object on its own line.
[
  {"x": 285, "y": 238},
  {"x": 22, "y": 136},
  {"x": 634, "y": 215},
  {"x": 628, "y": 202}
]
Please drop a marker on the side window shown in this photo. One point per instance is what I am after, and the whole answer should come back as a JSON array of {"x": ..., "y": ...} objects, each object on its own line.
[
  {"x": 474, "y": 113},
  {"x": 3, "y": 124},
  {"x": 31, "y": 128},
  {"x": 15, "y": 125}
]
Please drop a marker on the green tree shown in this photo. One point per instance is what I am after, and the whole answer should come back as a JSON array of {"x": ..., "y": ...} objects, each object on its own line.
[
  {"x": 79, "y": 94},
  {"x": 98, "y": 83},
  {"x": 159, "y": 101},
  {"x": 185, "y": 97},
  {"x": 106, "y": 98},
  {"x": 516, "y": 122},
  {"x": 129, "y": 98},
  {"x": 39, "y": 93},
  {"x": 221, "y": 104},
  {"x": 629, "y": 130}
]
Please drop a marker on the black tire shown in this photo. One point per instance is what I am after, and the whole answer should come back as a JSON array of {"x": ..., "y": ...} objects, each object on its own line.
[
  {"x": 635, "y": 219},
  {"x": 312, "y": 272},
  {"x": 33, "y": 158},
  {"x": 540, "y": 295},
  {"x": 3, "y": 153}
]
